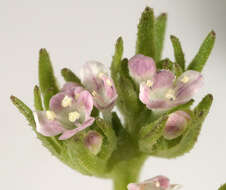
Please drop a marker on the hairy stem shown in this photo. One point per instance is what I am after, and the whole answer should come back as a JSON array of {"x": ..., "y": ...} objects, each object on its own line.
[{"x": 127, "y": 171}]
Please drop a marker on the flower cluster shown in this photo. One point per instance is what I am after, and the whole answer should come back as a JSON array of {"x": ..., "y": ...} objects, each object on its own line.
[
  {"x": 156, "y": 183},
  {"x": 70, "y": 109}
]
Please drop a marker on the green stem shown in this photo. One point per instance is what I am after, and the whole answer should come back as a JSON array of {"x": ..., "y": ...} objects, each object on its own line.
[{"x": 127, "y": 171}]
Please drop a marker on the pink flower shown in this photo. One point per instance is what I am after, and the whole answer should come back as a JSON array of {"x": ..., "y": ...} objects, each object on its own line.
[
  {"x": 176, "y": 124},
  {"x": 156, "y": 183},
  {"x": 93, "y": 141},
  {"x": 68, "y": 114},
  {"x": 141, "y": 68},
  {"x": 160, "y": 90},
  {"x": 96, "y": 80}
]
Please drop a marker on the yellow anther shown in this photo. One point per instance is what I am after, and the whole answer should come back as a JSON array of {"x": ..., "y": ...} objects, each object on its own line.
[
  {"x": 67, "y": 101},
  {"x": 94, "y": 93},
  {"x": 108, "y": 81},
  {"x": 50, "y": 115},
  {"x": 170, "y": 94},
  {"x": 157, "y": 184},
  {"x": 73, "y": 116},
  {"x": 100, "y": 75},
  {"x": 185, "y": 79},
  {"x": 149, "y": 83},
  {"x": 77, "y": 96}
]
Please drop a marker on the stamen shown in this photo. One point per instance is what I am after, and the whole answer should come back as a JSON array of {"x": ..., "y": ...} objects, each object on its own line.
[
  {"x": 185, "y": 79},
  {"x": 100, "y": 75},
  {"x": 67, "y": 101},
  {"x": 108, "y": 81},
  {"x": 157, "y": 184},
  {"x": 50, "y": 115},
  {"x": 170, "y": 94},
  {"x": 77, "y": 96},
  {"x": 149, "y": 83},
  {"x": 94, "y": 93},
  {"x": 73, "y": 116}
]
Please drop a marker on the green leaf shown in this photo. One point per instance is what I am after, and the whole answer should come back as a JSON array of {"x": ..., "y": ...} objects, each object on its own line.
[
  {"x": 48, "y": 142},
  {"x": 178, "y": 52},
  {"x": 95, "y": 112},
  {"x": 37, "y": 99},
  {"x": 116, "y": 60},
  {"x": 69, "y": 76},
  {"x": 128, "y": 101},
  {"x": 165, "y": 64},
  {"x": 83, "y": 158},
  {"x": 160, "y": 29},
  {"x": 180, "y": 146},
  {"x": 145, "y": 36},
  {"x": 25, "y": 110},
  {"x": 111, "y": 140},
  {"x": 202, "y": 56},
  {"x": 47, "y": 80},
  {"x": 151, "y": 133},
  {"x": 116, "y": 123},
  {"x": 223, "y": 187}
]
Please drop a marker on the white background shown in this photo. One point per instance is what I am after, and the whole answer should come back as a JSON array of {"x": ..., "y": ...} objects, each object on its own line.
[{"x": 74, "y": 31}]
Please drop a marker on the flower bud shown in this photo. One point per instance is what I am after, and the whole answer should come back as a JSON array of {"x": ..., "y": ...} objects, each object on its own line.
[
  {"x": 141, "y": 68},
  {"x": 156, "y": 183},
  {"x": 93, "y": 141},
  {"x": 176, "y": 124}
]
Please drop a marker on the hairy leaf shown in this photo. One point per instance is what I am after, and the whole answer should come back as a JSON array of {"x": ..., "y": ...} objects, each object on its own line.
[
  {"x": 202, "y": 56},
  {"x": 160, "y": 29},
  {"x": 145, "y": 36},
  {"x": 69, "y": 76},
  {"x": 37, "y": 99},
  {"x": 47, "y": 79}
]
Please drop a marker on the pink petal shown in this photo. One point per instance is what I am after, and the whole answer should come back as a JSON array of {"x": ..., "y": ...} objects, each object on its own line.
[
  {"x": 176, "y": 124},
  {"x": 69, "y": 87},
  {"x": 185, "y": 90},
  {"x": 47, "y": 127},
  {"x": 133, "y": 186},
  {"x": 163, "y": 79},
  {"x": 85, "y": 100},
  {"x": 141, "y": 68},
  {"x": 153, "y": 98},
  {"x": 69, "y": 133}
]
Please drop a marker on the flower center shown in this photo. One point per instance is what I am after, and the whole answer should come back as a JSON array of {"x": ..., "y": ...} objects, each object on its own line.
[
  {"x": 67, "y": 101},
  {"x": 149, "y": 83},
  {"x": 185, "y": 79},
  {"x": 108, "y": 81},
  {"x": 77, "y": 96},
  {"x": 170, "y": 95},
  {"x": 157, "y": 183},
  {"x": 73, "y": 116},
  {"x": 94, "y": 93},
  {"x": 50, "y": 115}
]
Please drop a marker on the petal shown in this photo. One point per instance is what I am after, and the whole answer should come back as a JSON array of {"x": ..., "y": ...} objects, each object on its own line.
[
  {"x": 187, "y": 85},
  {"x": 69, "y": 87},
  {"x": 176, "y": 124},
  {"x": 69, "y": 133},
  {"x": 46, "y": 126},
  {"x": 163, "y": 79},
  {"x": 161, "y": 182},
  {"x": 133, "y": 186},
  {"x": 141, "y": 68},
  {"x": 154, "y": 98},
  {"x": 89, "y": 74},
  {"x": 85, "y": 101},
  {"x": 55, "y": 103}
]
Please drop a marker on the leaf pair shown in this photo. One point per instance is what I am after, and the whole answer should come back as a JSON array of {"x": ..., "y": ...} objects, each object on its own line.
[{"x": 201, "y": 57}]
